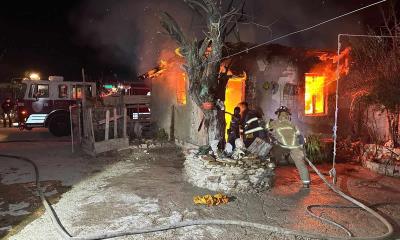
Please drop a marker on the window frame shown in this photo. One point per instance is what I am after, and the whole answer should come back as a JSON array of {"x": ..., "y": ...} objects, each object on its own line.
[
  {"x": 86, "y": 87},
  {"x": 67, "y": 95},
  {"x": 35, "y": 86}
]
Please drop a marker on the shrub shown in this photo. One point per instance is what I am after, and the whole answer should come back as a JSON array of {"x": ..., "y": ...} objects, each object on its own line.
[{"x": 315, "y": 150}]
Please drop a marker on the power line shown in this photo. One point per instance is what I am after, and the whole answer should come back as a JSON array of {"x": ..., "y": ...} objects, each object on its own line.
[{"x": 300, "y": 31}]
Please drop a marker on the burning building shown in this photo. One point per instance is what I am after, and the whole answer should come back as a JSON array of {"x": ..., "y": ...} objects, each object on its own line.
[{"x": 266, "y": 78}]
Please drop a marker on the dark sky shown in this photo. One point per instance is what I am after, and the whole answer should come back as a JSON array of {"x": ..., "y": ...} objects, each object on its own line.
[{"x": 121, "y": 38}]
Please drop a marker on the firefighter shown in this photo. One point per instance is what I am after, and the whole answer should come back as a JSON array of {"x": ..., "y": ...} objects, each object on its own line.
[
  {"x": 288, "y": 141},
  {"x": 251, "y": 124},
  {"x": 234, "y": 127},
  {"x": 7, "y": 106}
]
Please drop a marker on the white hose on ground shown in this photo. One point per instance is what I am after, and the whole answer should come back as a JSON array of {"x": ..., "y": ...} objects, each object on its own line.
[{"x": 64, "y": 233}]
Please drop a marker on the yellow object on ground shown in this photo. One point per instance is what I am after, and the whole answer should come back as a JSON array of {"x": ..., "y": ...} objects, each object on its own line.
[{"x": 209, "y": 200}]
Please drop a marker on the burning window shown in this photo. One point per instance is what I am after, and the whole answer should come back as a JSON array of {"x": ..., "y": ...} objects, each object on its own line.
[
  {"x": 314, "y": 94},
  {"x": 181, "y": 90},
  {"x": 234, "y": 94}
]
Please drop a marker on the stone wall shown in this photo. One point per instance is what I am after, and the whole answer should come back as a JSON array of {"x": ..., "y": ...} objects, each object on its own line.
[
  {"x": 233, "y": 176},
  {"x": 381, "y": 160}
]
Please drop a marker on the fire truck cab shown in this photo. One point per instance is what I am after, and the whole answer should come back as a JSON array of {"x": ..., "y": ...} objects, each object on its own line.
[{"x": 45, "y": 103}]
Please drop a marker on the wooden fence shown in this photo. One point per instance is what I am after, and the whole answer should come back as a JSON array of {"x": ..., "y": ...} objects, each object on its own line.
[{"x": 100, "y": 129}]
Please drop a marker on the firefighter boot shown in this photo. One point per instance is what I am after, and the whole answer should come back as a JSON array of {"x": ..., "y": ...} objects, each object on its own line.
[{"x": 297, "y": 156}]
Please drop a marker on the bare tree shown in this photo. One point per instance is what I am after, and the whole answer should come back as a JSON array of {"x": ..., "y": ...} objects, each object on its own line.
[
  {"x": 376, "y": 69},
  {"x": 203, "y": 58}
]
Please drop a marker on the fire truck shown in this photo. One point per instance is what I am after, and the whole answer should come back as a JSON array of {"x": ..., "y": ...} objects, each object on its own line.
[{"x": 45, "y": 103}]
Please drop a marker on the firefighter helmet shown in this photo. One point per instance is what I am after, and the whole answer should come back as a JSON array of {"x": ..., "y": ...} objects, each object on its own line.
[{"x": 283, "y": 109}]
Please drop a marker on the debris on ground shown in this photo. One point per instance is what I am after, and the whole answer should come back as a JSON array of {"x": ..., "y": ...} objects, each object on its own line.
[
  {"x": 209, "y": 200},
  {"x": 203, "y": 150},
  {"x": 259, "y": 147},
  {"x": 240, "y": 151}
]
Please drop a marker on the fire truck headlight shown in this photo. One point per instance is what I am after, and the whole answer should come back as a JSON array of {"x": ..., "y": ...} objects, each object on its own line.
[
  {"x": 34, "y": 76},
  {"x": 24, "y": 112}
]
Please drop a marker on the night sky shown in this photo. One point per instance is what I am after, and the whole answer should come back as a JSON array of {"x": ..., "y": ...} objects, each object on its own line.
[
  {"x": 122, "y": 39},
  {"x": 38, "y": 37}
]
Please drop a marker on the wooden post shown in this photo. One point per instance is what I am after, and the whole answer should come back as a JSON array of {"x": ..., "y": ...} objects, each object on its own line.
[
  {"x": 72, "y": 129},
  {"x": 83, "y": 89},
  {"x": 90, "y": 124},
  {"x": 138, "y": 111},
  {"x": 79, "y": 124},
  {"x": 83, "y": 102},
  {"x": 115, "y": 124},
  {"x": 124, "y": 122},
  {"x": 107, "y": 125},
  {"x": 83, "y": 126}
]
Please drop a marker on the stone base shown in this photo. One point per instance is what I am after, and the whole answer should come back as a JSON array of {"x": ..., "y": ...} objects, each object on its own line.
[{"x": 228, "y": 175}]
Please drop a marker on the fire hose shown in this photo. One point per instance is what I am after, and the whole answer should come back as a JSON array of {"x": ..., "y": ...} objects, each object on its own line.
[{"x": 66, "y": 235}]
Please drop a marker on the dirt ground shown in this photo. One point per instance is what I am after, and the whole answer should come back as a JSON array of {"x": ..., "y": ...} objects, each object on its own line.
[
  {"x": 59, "y": 168},
  {"x": 25, "y": 193},
  {"x": 145, "y": 187}
]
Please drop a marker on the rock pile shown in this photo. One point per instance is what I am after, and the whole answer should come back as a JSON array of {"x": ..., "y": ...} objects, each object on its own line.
[
  {"x": 249, "y": 174},
  {"x": 380, "y": 159}
]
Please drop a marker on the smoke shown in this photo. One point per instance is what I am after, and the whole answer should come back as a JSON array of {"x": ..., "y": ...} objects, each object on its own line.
[
  {"x": 286, "y": 16},
  {"x": 128, "y": 33}
]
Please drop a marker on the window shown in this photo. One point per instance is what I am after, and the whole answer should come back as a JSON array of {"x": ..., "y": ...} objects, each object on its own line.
[
  {"x": 39, "y": 91},
  {"x": 77, "y": 91},
  {"x": 314, "y": 95},
  {"x": 20, "y": 90},
  {"x": 290, "y": 90},
  {"x": 62, "y": 91}
]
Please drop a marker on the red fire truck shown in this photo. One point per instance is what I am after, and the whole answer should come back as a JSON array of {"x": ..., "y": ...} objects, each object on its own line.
[{"x": 45, "y": 103}]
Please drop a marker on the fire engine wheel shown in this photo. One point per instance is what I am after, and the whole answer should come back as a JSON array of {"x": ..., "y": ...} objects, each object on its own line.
[{"x": 59, "y": 125}]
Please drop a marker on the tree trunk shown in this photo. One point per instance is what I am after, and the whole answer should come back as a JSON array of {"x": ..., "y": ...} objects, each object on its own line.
[
  {"x": 215, "y": 125},
  {"x": 393, "y": 121}
]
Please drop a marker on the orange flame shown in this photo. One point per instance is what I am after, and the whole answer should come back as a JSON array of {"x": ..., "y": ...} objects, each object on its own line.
[
  {"x": 328, "y": 65},
  {"x": 155, "y": 72},
  {"x": 318, "y": 83}
]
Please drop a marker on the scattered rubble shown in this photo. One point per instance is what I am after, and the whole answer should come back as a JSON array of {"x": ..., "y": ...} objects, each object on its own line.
[
  {"x": 259, "y": 147},
  {"x": 380, "y": 159}
]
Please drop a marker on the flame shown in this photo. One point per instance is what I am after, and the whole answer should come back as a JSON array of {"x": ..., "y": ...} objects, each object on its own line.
[
  {"x": 234, "y": 93},
  {"x": 314, "y": 94},
  {"x": 178, "y": 52},
  {"x": 318, "y": 82},
  {"x": 170, "y": 77},
  {"x": 328, "y": 65},
  {"x": 181, "y": 89},
  {"x": 155, "y": 72}
]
